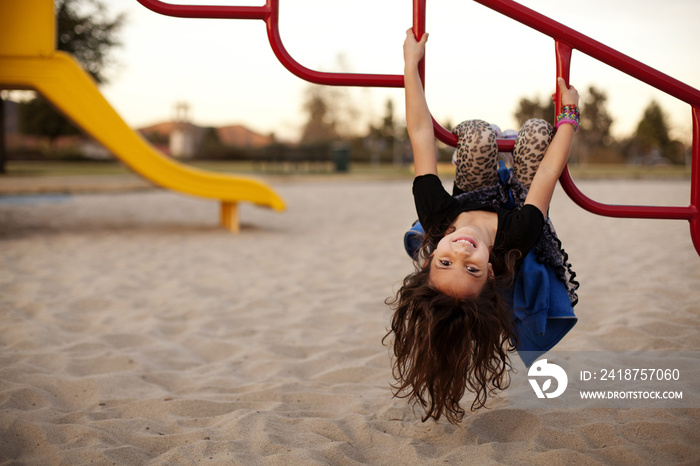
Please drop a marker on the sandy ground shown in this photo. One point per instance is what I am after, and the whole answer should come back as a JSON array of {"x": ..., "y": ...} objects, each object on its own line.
[{"x": 133, "y": 330}]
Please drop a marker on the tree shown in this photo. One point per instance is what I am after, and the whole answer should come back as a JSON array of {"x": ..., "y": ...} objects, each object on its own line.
[
  {"x": 388, "y": 129},
  {"x": 211, "y": 146},
  {"x": 85, "y": 30},
  {"x": 534, "y": 109},
  {"x": 594, "y": 141},
  {"x": 37, "y": 117},
  {"x": 321, "y": 124},
  {"x": 89, "y": 36},
  {"x": 652, "y": 136},
  {"x": 331, "y": 111},
  {"x": 381, "y": 138},
  {"x": 331, "y": 114}
]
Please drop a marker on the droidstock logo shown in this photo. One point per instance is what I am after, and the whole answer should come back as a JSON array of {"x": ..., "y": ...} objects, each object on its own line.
[{"x": 543, "y": 369}]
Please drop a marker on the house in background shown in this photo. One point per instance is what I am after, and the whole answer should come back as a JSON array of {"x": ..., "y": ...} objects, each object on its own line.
[{"x": 179, "y": 138}]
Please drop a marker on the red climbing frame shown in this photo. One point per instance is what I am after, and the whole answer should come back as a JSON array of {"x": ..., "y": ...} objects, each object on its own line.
[{"x": 565, "y": 41}]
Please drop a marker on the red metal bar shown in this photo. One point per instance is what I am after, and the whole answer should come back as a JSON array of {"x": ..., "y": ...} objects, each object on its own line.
[
  {"x": 207, "y": 11},
  {"x": 318, "y": 77},
  {"x": 595, "y": 49},
  {"x": 562, "y": 54},
  {"x": 563, "y": 63},
  {"x": 566, "y": 39},
  {"x": 625, "y": 211},
  {"x": 695, "y": 180},
  {"x": 270, "y": 14},
  {"x": 419, "y": 13},
  {"x": 419, "y": 30}
]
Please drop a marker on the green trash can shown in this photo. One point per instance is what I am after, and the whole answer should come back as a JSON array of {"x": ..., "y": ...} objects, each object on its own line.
[{"x": 341, "y": 157}]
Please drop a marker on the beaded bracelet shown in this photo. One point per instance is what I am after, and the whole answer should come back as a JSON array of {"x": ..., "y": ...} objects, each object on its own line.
[
  {"x": 569, "y": 115},
  {"x": 569, "y": 121}
]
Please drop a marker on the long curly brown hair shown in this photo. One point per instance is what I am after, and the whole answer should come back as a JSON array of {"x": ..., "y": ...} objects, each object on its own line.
[{"x": 444, "y": 346}]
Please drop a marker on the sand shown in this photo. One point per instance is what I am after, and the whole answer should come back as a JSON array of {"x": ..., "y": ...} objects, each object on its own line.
[{"x": 133, "y": 330}]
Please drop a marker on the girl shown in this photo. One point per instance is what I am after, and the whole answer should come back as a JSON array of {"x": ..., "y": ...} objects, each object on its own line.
[{"x": 453, "y": 326}]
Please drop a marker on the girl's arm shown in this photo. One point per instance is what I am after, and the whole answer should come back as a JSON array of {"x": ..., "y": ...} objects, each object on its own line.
[
  {"x": 419, "y": 122},
  {"x": 555, "y": 158}
]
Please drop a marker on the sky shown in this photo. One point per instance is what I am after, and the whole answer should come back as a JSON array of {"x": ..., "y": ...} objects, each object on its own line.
[{"x": 479, "y": 64}]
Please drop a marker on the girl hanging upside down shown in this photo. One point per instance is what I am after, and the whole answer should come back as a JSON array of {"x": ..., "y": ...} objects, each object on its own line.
[{"x": 455, "y": 320}]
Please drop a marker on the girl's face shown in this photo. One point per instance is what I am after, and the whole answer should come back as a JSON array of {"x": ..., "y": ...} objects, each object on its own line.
[{"x": 460, "y": 264}]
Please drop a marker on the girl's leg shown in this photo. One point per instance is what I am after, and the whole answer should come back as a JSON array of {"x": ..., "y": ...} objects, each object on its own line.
[
  {"x": 532, "y": 142},
  {"x": 475, "y": 156}
]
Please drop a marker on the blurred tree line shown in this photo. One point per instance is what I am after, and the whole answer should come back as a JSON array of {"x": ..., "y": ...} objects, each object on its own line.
[
  {"x": 386, "y": 141},
  {"x": 331, "y": 115},
  {"x": 650, "y": 143}
]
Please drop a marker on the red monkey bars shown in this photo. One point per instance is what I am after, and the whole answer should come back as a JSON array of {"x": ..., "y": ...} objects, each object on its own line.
[{"x": 565, "y": 40}]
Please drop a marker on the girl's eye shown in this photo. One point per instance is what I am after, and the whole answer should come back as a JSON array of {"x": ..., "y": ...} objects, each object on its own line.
[
  {"x": 445, "y": 263},
  {"x": 472, "y": 269}
]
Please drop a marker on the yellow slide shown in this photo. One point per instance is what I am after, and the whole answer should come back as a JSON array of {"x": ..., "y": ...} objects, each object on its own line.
[{"x": 28, "y": 59}]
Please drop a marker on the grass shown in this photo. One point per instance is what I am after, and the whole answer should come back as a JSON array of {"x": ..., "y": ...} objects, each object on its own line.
[
  {"x": 603, "y": 171},
  {"x": 17, "y": 169},
  {"x": 363, "y": 170},
  {"x": 56, "y": 168}
]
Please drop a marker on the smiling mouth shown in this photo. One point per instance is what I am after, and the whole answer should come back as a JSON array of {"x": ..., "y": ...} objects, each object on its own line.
[{"x": 465, "y": 240}]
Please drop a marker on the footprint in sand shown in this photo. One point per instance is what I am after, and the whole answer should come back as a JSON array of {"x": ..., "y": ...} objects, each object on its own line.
[{"x": 505, "y": 425}]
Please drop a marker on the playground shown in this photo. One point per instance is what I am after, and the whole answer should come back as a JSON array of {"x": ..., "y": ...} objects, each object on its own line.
[{"x": 137, "y": 330}]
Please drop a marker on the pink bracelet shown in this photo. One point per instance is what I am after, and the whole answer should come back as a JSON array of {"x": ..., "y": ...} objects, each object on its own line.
[{"x": 569, "y": 121}]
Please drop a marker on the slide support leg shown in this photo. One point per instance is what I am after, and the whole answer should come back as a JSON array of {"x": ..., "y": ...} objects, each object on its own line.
[{"x": 229, "y": 216}]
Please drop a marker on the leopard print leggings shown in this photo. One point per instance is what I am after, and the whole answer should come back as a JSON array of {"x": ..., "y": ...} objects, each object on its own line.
[{"x": 476, "y": 154}]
